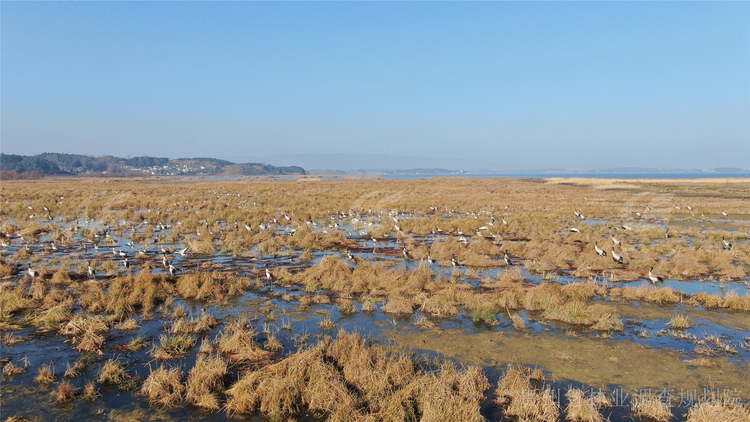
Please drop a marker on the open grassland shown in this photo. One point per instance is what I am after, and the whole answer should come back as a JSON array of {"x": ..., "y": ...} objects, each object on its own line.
[{"x": 430, "y": 299}]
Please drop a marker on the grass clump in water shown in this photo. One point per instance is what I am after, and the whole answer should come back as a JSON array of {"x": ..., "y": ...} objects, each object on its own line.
[
  {"x": 581, "y": 408},
  {"x": 46, "y": 375},
  {"x": 164, "y": 387},
  {"x": 205, "y": 381},
  {"x": 718, "y": 410},
  {"x": 348, "y": 380},
  {"x": 173, "y": 346},
  {"x": 521, "y": 400},
  {"x": 651, "y": 406}
]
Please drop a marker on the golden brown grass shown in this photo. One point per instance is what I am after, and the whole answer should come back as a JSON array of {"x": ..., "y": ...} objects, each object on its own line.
[
  {"x": 90, "y": 392},
  {"x": 516, "y": 394},
  {"x": 680, "y": 321},
  {"x": 581, "y": 408},
  {"x": 65, "y": 392},
  {"x": 173, "y": 346},
  {"x": 46, "y": 374},
  {"x": 205, "y": 381},
  {"x": 164, "y": 387},
  {"x": 651, "y": 406},
  {"x": 10, "y": 369},
  {"x": 719, "y": 410},
  {"x": 349, "y": 380},
  {"x": 112, "y": 372},
  {"x": 238, "y": 343}
]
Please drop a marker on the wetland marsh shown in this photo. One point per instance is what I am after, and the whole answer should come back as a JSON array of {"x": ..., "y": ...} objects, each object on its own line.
[{"x": 417, "y": 299}]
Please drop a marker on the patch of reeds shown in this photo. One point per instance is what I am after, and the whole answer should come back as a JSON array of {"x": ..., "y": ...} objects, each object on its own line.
[
  {"x": 173, "y": 346},
  {"x": 206, "y": 381},
  {"x": 112, "y": 372},
  {"x": 53, "y": 318},
  {"x": 90, "y": 392},
  {"x": 164, "y": 387},
  {"x": 65, "y": 392},
  {"x": 46, "y": 374},
  {"x": 349, "y": 380},
  {"x": 581, "y": 408},
  {"x": 659, "y": 295},
  {"x": 128, "y": 325},
  {"x": 87, "y": 331},
  {"x": 520, "y": 399},
  {"x": 10, "y": 369},
  {"x": 651, "y": 406},
  {"x": 238, "y": 343},
  {"x": 719, "y": 410},
  {"x": 679, "y": 321},
  {"x": 398, "y": 305}
]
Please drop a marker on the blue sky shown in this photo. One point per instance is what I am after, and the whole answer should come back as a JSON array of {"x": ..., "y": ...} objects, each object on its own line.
[{"x": 513, "y": 85}]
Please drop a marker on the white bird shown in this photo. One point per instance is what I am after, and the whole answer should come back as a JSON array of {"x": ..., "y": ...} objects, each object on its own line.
[
  {"x": 454, "y": 261},
  {"x": 172, "y": 269},
  {"x": 32, "y": 272},
  {"x": 183, "y": 252},
  {"x": 616, "y": 257},
  {"x": 506, "y": 259},
  {"x": 92, "y": 272},
  {"x": 724, "y": 214},
  {"x": 574, "y": 230},
  {"x": 406, "y": 253},
  {"x": 430, "y": 260},
  {"x": 599, "y": 250},
  {"x": 268, "y": 274},
  {"x": 126, "y": 264},
  {"x": 626, "y": 227},
  {"x": 616, "y": 242},
  {"x": 653, "y": 277}
]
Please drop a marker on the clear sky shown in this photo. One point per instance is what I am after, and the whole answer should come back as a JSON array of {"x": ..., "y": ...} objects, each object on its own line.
[{"x": 516, "y": 85}]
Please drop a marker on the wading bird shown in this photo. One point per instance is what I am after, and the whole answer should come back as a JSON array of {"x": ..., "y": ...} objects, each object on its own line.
[
  {"x": 654, "y": 278},
  {"x": 599, "y": 251},
  {"x": 727, "y": 244},
  {"x": 616, "y": 257}
]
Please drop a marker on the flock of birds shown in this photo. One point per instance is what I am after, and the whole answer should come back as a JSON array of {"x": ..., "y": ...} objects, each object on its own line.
[{"x": 169, "y": 266}]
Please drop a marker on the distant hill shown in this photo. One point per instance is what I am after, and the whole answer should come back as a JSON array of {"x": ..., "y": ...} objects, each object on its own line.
[{"x": 50, "y": 164}]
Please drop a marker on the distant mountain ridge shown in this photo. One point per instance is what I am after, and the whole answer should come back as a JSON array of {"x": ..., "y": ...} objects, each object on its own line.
[{"x": 74, "y": 164}]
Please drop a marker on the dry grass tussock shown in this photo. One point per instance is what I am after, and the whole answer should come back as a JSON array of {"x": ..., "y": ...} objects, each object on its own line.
[
  {"x": 659, "y": 295},
  {"x": 719, "y": 410},
  {"x": 521, "y": 400},
  {"x": 205, "y": 381},
  {"x": 237, "y": 342},
  {"x": 348, "y": 380},
  {"x": 164, "y": 387},
  {"x": 581, "y": 408},
  {"x": 113, "y": 372},
  {"x": 651, "y": 406}
]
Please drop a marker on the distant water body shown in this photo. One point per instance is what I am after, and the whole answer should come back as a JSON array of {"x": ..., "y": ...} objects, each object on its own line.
[
  {"x": 500, "y": 175},
  {"x": 584, "y": 175}
]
